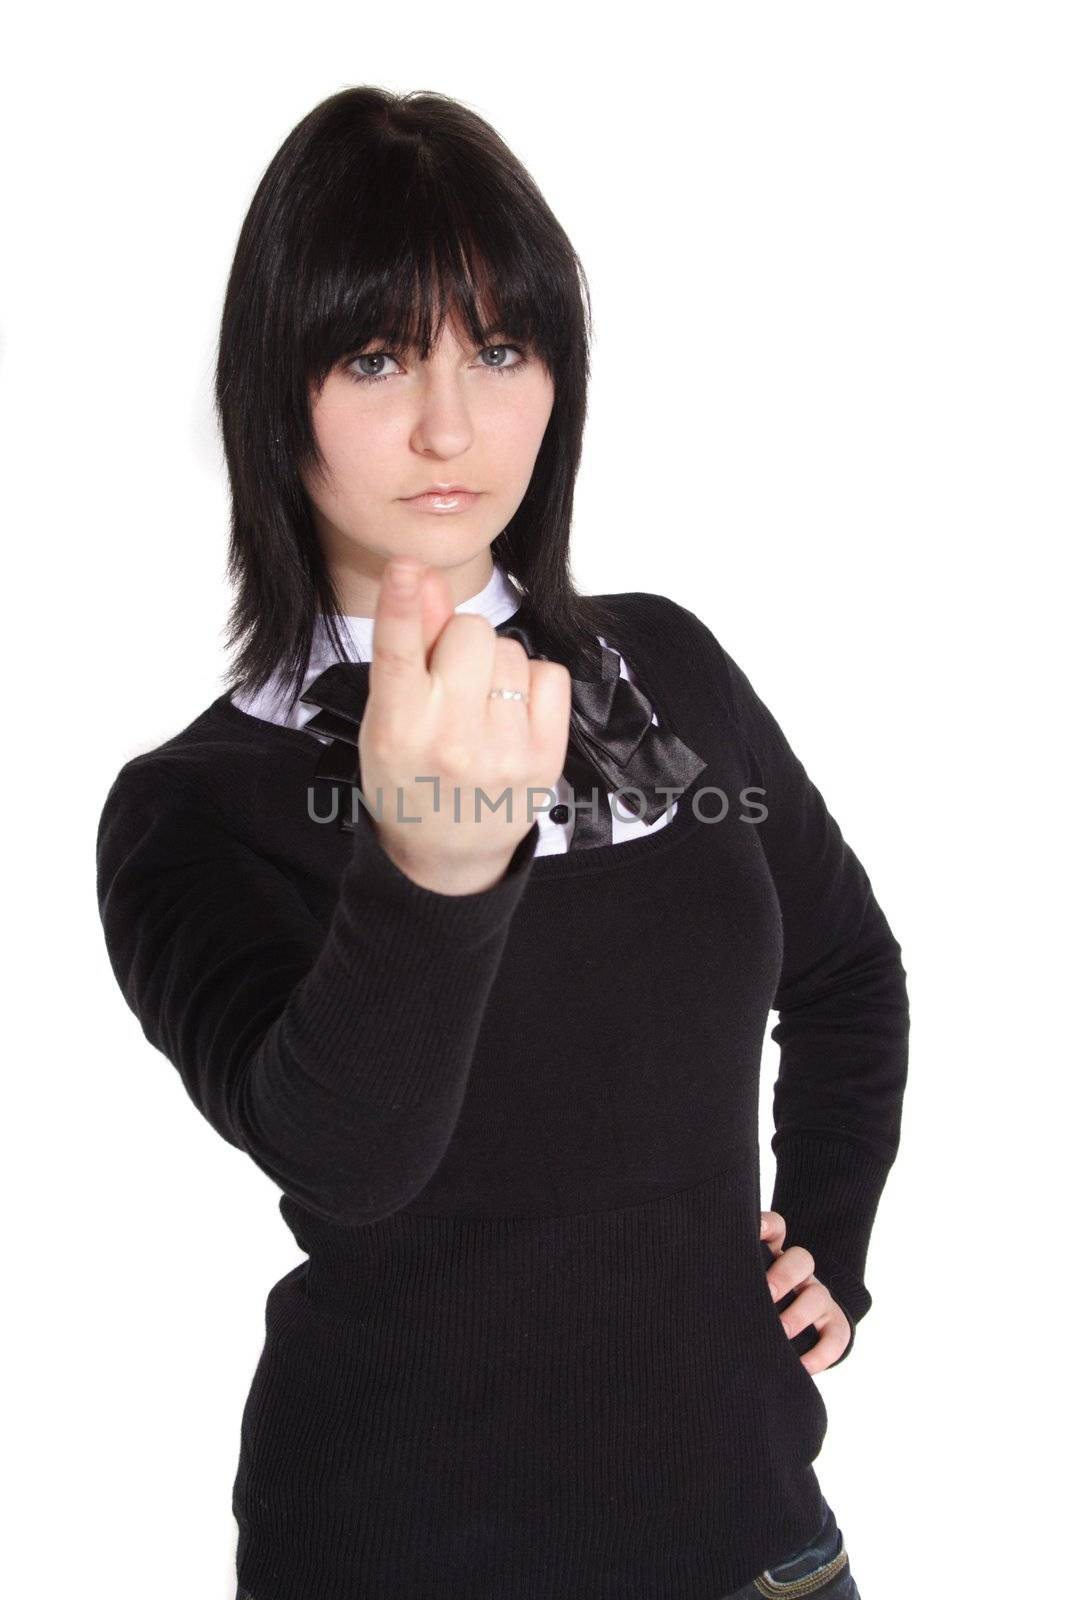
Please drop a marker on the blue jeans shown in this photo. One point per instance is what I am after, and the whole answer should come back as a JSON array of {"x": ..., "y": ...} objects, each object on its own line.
[{"x": 821, "y": 1569}]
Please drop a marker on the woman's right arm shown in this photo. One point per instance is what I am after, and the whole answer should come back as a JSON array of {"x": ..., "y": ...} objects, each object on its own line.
[{"x": 338, "y": 1062}]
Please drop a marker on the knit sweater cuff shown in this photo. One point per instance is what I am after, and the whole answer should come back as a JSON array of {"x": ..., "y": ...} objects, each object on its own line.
[
  {"x": 391, "y": 933},
  {"x": 827, "y": 1191},
  {"x": 401, "y": 903}
]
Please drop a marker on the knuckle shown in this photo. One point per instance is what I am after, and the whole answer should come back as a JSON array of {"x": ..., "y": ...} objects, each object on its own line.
[
  {"x": 390, "y": 661},
  {"x": 517, "y": 760},
  {"x": 547, "y": 670},
  {"x": 453, "y": 755},
  {"x": 376, "y": 745},
  {"x": 471, "y": 622},
  {"x": 510, "y": 771},
  {"x": 511, "y": 651}
]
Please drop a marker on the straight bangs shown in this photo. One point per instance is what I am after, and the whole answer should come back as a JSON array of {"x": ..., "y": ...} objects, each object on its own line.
[{"x": 416, "y": 269}]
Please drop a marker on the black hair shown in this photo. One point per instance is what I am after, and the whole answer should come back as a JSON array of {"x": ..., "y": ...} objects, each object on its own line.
[{"x": 378, "y": 215}]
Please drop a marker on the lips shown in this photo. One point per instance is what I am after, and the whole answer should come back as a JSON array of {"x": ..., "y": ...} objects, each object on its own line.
[
  {"x": 443, "y": 503},
  {"x": 441, "y": 488}
]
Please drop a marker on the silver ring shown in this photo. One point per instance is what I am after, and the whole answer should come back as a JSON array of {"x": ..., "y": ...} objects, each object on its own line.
[{"x": 507, "y": 694}]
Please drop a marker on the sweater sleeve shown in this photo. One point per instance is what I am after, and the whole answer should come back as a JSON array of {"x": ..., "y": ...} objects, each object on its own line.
[
  {"x": 336, "y": 1058},
  {"x": 842, "y": 1004},
  {"x": 843, "y": 1019}
]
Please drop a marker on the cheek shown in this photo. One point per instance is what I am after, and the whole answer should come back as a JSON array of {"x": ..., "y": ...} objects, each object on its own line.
[
  {"x": 353, "y": 441},
  {"x": 519, "y": 427}
]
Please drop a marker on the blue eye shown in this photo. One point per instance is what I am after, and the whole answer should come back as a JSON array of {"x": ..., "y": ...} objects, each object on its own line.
[{"x": 385, "y": 355}]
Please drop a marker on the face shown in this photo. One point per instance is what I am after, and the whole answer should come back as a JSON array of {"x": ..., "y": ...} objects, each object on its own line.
[{"x": 390, "y": 426}]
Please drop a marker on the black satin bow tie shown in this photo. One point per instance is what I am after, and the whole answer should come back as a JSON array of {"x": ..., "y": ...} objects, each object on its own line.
[{"x": 614, "y": 744}]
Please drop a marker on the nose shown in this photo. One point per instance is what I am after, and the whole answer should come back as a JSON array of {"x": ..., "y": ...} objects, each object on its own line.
[{"x": 444, "y": 425}]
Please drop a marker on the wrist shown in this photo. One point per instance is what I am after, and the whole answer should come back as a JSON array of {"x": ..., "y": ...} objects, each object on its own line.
[{"x": 451, "y": 877}]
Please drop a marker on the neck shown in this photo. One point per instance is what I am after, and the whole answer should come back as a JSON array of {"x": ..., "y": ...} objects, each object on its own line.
[{"x": 358, "y": 587}]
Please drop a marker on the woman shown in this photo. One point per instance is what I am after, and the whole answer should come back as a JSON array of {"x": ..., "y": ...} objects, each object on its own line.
[{"x": 500, "y": 1055}]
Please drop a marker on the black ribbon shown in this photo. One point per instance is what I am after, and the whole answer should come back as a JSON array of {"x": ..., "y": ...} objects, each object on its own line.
[{"x": 613, "y": 744}]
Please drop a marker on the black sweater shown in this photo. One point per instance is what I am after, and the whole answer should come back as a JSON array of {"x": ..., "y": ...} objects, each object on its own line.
[{"x": 532, "y": 1350}]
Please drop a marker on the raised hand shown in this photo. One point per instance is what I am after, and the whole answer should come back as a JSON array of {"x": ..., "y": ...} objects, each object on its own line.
[{"x": 429, "y": 716}]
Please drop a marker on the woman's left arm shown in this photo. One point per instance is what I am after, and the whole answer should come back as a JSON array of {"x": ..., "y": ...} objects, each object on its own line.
[{"x": 843, "y": 1018}]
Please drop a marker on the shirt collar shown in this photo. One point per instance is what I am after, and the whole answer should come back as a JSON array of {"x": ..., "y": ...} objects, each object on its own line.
[{"x": 497, "y": 601}]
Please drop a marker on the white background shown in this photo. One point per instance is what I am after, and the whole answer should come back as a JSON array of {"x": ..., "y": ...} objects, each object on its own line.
[{"x": 826, "y": 252}]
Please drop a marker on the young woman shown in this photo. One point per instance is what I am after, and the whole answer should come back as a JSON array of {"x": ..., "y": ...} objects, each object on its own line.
[{"x": 462, "y": 912}]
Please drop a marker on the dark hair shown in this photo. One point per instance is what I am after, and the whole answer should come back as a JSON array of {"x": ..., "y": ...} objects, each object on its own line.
[{"x": 378, "y": 214}]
